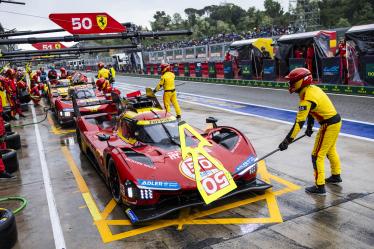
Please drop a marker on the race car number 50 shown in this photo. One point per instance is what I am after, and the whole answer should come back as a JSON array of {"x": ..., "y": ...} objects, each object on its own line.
[
  {"x": 87, "y": 23},
  {"x": 214, "y": 183},
  {"x": 213, "y": 180}
]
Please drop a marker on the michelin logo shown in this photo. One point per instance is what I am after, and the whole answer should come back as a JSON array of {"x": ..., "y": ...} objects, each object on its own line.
[{"x": 161, "y": 185}]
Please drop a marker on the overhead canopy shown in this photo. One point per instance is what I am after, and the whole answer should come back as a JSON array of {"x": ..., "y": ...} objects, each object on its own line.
[
  {"x": 244, "y": 46},
  {"x": 323, "y": 41},
  {"x": 363, "y": 36}
]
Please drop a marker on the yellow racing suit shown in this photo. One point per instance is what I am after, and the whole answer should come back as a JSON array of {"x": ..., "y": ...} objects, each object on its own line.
[
  {"x": 315, "y": 104},
  {"x": 170, "y": 95},
  {"x": 103, "y": 73}
]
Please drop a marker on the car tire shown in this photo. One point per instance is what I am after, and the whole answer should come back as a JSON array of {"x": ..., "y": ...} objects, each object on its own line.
[
  {"x": 6, "y": 114},
  {"x": 79, "y": 140},
  {"x": 10, "y": 160},
  {"x": 8, "y": 229},
  {"x": 8, "y": 127},
  {"x": 113, "y": 180},
  {"x": 13, "y": 140}
]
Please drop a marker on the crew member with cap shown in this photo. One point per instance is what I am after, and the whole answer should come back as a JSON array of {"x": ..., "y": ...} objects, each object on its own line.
[
  {"x": 170, "y": 95},
  {"x": 315, "y": 104},
  {"x": 63, "y": 74}
]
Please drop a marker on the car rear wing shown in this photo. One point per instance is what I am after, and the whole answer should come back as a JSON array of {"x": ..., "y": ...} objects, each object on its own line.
[{"x": 76, "y": 106}]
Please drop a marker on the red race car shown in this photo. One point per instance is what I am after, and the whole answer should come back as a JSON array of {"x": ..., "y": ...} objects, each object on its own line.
[
  {"x": 88, "y": 101},
  {"x": 138, "y": 154}
]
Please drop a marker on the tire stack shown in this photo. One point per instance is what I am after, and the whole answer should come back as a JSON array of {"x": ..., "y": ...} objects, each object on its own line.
[
  {"x": 9, "y": 155},
  {"x": 8, "y": 229}
]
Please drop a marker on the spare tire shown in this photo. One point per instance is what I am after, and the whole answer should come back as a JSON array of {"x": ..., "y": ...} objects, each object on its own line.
[
  {"x": 10, "y": 160},
  {"x": 8, "y": 229},
  {"x": 6, "y": 113},
  {"x": 8, "y": 127},
  {"x": 13, "y": 140}
]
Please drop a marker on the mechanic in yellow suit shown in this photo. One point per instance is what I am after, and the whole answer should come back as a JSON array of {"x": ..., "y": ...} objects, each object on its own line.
[
  {"x": 112, "y": 71},
  {"x": 170, "y": 95},
  {"x": 103, "y": 72},
  {"x": 315, "y": 104}
]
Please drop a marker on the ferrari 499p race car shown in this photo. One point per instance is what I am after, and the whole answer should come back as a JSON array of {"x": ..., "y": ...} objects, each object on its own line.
[{"x": 139, "y": 154}]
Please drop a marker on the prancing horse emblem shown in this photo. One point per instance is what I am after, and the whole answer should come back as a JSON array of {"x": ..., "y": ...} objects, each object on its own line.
[{"x": 102, "y": 21}]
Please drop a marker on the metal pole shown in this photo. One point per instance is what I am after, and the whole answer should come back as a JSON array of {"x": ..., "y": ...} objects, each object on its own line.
[
  {"x": 315, "y": 58},
  {"x": 44, "y": 31},
  {"x": 12, "y": 2}
]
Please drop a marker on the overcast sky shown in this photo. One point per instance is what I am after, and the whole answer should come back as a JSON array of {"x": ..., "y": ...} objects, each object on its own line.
[{"x": 138, "y": 11}]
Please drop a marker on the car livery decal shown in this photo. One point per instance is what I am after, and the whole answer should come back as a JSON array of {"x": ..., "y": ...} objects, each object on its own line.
[
  {"x": 160, "y": 185},
  {"x": 132, "y": 216},
  {"x": 187, "y": 169},
  {"x": 246, "y": 163}
]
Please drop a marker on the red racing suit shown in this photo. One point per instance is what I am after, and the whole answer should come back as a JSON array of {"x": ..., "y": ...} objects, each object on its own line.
[
  {"x": 309, "y": 58},
  {"x": 343, "y": 62},
  {"x": 11, "y": 94}
]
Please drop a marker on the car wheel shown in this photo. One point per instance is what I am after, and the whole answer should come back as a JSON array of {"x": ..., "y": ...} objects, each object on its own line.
[
  {"x": 10, "y": 160},
  {"x": 6, "y": 114},
  {"x": 8, "y": 127},
  {"x": 79, "y": 139},
  {"x": 113, "y": 180},
  {"x": 8, "y": 229},
  {"x": 13, "y": 140}
]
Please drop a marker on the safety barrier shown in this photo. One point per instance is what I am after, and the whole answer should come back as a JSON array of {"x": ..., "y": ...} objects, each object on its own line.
[{"x": 331, "y": 88}]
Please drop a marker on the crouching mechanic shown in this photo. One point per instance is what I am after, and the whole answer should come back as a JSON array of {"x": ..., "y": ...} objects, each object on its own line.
[
  {"x": 315, "y": 104},
  {"x": 170, "y": 95}
]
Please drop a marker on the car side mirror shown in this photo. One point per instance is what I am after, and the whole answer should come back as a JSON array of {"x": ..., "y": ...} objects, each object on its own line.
[
  {"x": 212, "y": 120},
  {"x": 103, "y": 137}
]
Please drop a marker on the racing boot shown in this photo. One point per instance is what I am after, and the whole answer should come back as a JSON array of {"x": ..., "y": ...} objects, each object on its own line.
[
  {"x": 316, "y": 190},
  {"x": 334, "y": 179},
  {"x": 6, "y": 176}
]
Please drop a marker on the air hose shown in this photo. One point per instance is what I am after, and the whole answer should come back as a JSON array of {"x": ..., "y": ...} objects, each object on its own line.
[
  {"x": 45, "y": 109},
  {"x": 16, "y": 198}
]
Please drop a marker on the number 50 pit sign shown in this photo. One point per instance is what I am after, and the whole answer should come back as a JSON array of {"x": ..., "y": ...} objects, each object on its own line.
[{"x": 87, "y": 23}]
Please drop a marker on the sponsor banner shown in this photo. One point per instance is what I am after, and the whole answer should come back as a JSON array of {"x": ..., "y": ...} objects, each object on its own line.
[
  {"x": 269, "y": 72},
  {"x": 48, "y": 45},
  {"x": 87, "y": 23},
  {"x": 159, "y": 185},
  {"x": 227, "y": 70},
  {"x": 212, "y": 72},
  {"x": 331, "y": 70},
  {"x": 368, "y": 69},
  {"x": 246, "y": 69}
]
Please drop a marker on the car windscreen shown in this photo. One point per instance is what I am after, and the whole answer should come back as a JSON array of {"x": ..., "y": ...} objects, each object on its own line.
[
  {"x": 163, "y": 133},
  {"x": 85, "y": 94}
]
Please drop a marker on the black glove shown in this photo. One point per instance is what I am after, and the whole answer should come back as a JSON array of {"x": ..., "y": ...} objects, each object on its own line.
[
  {"x": 154, "y": 91},
  {"x": 284, "y": 144},
  {"x": 309, "y": 131},
  {"x": 310, "y": 124}
]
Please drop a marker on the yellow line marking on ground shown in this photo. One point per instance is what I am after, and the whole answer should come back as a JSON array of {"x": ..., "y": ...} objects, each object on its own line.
[
  {"x": 185, "y": 217},
  {"x": 56, "y": 130}
]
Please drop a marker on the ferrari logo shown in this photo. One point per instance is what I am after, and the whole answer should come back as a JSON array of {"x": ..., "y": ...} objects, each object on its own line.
[
  {"x": 102, "y": 21},
  {"x": 57, "y": 46}
]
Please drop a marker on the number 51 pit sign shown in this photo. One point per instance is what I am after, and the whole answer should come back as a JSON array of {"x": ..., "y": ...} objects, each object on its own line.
[{"x": 87, "y": 23}]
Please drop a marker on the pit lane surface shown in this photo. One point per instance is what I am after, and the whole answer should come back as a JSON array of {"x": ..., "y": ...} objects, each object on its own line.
[{"x": 285, "y": 216}]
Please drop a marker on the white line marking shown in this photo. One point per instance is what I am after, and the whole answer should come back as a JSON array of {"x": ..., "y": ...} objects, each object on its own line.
[
  {"x": 252, "y": 115},
  {"x": 247, "y": 103},
  {"x": 267, "y": 88},
  {"x": 53, "y": 213}
]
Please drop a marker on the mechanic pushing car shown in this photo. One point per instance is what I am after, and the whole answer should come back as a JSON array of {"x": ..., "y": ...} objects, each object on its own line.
[
  {"x": 170, "y": 95},
  {"x": 315, "y": 104}
]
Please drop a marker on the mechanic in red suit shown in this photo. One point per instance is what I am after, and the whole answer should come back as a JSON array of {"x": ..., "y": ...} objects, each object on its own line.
[
  {"x": 298, "y": 53},
  {"x": 3, "y": 174},
  {"x": 11, "y": 92},
  {"x": 35, "y": 78},
  {"x": 342, "y": 51},
  {"x": 104, "y": 86},
  {"x": 63, "y": 74},
  {"x": 35, "y": 93},
  {"x": 309, "y": 57}
]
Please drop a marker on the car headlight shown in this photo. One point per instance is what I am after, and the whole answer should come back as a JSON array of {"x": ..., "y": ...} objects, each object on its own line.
[{"x": 66, "y": 112}]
